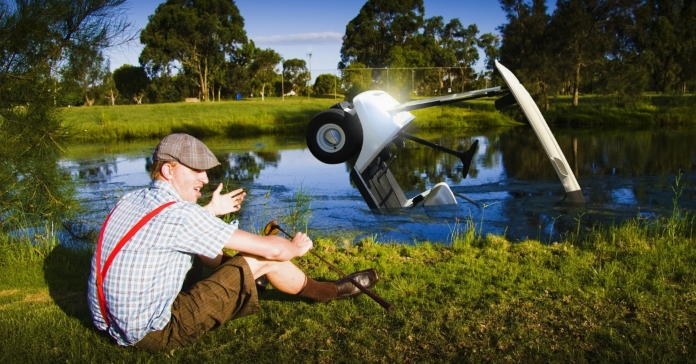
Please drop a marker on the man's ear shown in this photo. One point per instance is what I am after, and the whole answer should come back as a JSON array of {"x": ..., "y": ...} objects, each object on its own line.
[{"x": 167, "y": 171}]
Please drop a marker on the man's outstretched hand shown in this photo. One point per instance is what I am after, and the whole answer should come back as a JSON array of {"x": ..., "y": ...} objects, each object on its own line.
[{"x": 227, "y": 203}]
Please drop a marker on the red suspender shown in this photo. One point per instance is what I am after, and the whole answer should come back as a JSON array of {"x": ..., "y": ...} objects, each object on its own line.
[{"x": 101, "y": 274}]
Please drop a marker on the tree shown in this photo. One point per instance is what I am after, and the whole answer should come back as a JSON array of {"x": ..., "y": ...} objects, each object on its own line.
[
  {"x": 355, "y": 78},
  {"x": 462, "y": 44},
  {"x": 237, "y": 73},
  {"x": 36, "y": 39},
  {"x": 578, "y": 30},
  {"x": 490, "y": 43},
  {"x": 199, "y": 35},
  {"x": 262, "y": 69},
  {"x": 132, "y": 82},
  {"x": 380, "y": 26},
  {"x": 425, "y": 49},
  {"x": 295, "y": 72},
  {"x": 661, "y": 40},
  {"x": 525, "y": 46},
  {"x": 391, "y": 36},
  {"x": 109, "y": 85},
  {"x": 623, "y": 72},
  {"x": 87, "y": 68},
  {"x": 397, "y": 78},
  {"x": 687, "y": 33},
  {"x": 326, "y": 84},
  {"x": 168, "y": 88}
]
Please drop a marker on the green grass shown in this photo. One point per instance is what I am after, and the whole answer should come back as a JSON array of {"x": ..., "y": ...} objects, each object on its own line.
[
  {"x": 228, "y": 118},
  {"x": 247, "y": 117},
  {"x": 607, "y": 110},
  {"x": 616, "y": 294},
  {"x": 480, "y": 113},
  {"x": 278, "y": 117}
]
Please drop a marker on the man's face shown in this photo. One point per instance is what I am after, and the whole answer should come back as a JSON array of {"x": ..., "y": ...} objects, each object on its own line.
[{"x": 188, "y": 182}]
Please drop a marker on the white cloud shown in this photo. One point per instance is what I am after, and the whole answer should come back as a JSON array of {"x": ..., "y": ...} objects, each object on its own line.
[{"x": 301, "y": 39}]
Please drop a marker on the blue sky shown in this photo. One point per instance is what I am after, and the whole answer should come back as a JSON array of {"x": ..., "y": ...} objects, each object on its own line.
[{"x": 296, "y": 28}]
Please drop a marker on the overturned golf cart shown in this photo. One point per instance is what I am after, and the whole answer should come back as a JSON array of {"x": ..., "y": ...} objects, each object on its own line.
[{"x": 374, "y": 120}]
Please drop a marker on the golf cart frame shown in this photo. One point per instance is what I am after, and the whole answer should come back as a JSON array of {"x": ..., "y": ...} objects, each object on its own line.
[{"x": 374, "y": 120}]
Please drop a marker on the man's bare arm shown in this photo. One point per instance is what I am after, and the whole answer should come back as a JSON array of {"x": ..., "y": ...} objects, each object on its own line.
[{"x": 272, "y": 247}]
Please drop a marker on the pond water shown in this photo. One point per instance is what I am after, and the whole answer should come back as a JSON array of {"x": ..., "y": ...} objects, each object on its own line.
[{"x": 623, "y": 173}]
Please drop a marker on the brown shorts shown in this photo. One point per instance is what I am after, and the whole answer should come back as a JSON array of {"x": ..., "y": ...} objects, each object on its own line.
[{"x": 229, "y": 293}]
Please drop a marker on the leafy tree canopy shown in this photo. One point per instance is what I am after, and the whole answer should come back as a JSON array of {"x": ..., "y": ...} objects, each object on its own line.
[
  {"x": 326, "y": 84},
  {"x": 262, "y": 69},
  {"x": 295, "y": 72},
  {"x": 38, "y": 38},
  {"x": 131, "y": 81},
  {"x": 380, "y": 25},
  {"x": 199, "y": 35}
]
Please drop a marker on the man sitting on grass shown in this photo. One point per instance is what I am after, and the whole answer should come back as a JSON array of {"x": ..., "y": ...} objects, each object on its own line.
[{"x": 149, "y": 241}]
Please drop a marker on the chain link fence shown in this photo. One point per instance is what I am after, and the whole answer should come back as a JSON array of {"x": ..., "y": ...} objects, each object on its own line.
[{"x": 407, "y": 82}]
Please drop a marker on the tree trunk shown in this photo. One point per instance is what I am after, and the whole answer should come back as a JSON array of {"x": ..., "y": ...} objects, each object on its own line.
[
  {"x": 112, "y": 99},
  {"x": 88, "y": 101},
  {"x": 576, "y": 86},
  {"x": 544, "y": 94},
  {"x": 203, "y": 80},
  {"x": 657, "y": 82}
]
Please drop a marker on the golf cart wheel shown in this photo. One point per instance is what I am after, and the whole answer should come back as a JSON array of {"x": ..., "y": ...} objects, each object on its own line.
[{"x": 334, "y": 136}]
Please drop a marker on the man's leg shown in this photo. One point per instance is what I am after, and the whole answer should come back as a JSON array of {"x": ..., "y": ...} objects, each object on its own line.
[
  {"x": 288, "y": 278},
  {"x": 227, "y": 294}
]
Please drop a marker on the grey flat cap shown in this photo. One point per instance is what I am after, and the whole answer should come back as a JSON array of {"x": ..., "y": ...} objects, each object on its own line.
[{"x": 186, "y": 150}]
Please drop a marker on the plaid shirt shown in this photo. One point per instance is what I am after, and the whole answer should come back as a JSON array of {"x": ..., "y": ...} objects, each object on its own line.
[{"x": 146, "y": 275}]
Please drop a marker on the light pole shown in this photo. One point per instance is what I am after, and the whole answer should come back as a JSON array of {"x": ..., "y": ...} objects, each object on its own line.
[
  {"x": 282, "y": 78},
  {"x": 309, "y": 54}
]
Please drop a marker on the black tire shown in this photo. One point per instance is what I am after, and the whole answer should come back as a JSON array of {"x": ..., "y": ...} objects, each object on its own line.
[{"x": 333, "y": 136}]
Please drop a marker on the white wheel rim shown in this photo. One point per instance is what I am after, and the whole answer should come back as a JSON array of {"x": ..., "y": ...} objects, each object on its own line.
[{"x": 331, "y": 138}]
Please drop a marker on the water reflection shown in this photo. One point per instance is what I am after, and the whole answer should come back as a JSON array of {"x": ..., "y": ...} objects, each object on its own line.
[{"x": 623, "y": 174}]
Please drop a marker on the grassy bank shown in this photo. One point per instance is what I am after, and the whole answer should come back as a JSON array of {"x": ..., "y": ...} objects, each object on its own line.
[
  {"x": 228, "y": 118},
  {"x": 650, "y": 109},
  {"x": 276, "y": 116},
  {"x": 620, "y": 294},
  {"x": 246, "y": 117}
]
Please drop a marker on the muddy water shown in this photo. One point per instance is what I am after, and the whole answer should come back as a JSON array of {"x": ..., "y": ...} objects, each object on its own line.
[{"x": 623, "y": 174}]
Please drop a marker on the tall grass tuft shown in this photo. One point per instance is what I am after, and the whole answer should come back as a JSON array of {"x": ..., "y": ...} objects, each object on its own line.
[
  {"x": 29, "y": 246},
  {"x": 298, "y": 211},
  {"x": 462, "y": 236}
]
